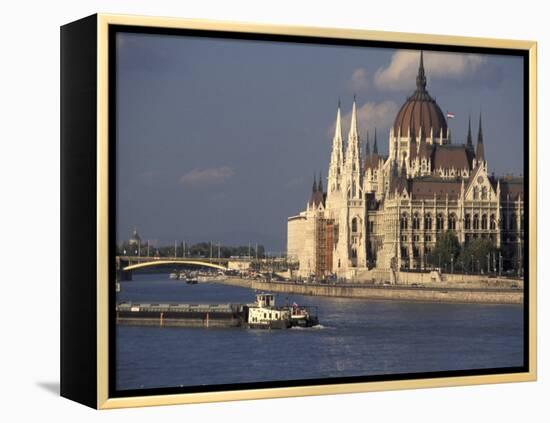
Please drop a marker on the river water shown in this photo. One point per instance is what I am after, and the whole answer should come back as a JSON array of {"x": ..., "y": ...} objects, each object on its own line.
[{"x": 355, "y": 338}]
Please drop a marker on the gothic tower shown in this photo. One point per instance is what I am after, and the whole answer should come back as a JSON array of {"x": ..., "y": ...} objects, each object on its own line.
[{"x": 353, "y": 188}]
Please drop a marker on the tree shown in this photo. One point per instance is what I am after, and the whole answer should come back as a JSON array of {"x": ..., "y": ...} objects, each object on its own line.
[
  {"x": 446, "y": 250},
  {"x": 478, "y": 250}
]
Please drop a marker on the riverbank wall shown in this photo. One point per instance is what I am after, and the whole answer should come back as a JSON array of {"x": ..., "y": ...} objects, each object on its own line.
[
  {"x": 433, "y": 277},
  {"x": 378, "y": 292}
]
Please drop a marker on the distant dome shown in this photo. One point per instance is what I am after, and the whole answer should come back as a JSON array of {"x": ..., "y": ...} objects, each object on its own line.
[
  {"x": 420, "y": 110},
  {"x": 136, "y": 239}
]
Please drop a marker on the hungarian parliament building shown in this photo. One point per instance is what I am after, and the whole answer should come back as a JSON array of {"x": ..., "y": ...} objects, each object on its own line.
[{"x": 387, "y": 213}]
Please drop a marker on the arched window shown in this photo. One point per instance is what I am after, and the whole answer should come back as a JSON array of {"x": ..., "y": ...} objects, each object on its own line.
[
  {"x": 404, "y": 222},
  {"x": 428, "y": 222},
  {"x": 476, "y": 193},
  {"x": 416, "y": 222},
  {"x": 452, "y": 222},
  {"x": 484, "y": 222},
  {"x": 353, "y": 253},
  {"x": 354, "y": 225},
  {"x": 439, "y": 223},
  {"x": 476, "y": 222},
  {"x": 467, "y": 222},
  {"x": 484, "y": 193},
  {"x": 513, "y": 222},
  {"x": 493, "y": 223}
]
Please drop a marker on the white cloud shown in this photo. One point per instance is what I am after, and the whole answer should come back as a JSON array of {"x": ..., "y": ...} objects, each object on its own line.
[
  {"x": 359, "y": 79},
  {"x": 200, "y": 178},
  {"x": 401, "y": 72},
  {"x": 369, "y": 116}
]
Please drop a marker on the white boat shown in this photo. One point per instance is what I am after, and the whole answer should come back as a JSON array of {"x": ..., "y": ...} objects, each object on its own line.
[
  {"x": 204, "y": 278},
  {"x": 173, "y": 275},
  {"x": 182, "y": 277},
  {"x": 263, "y": 314}
]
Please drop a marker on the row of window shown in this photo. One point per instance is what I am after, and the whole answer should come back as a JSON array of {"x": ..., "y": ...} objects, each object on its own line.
[
  {"x": 416, "y": 238},
  {"x": 468, "y": 237},
  {"x": 427, "y": 250},
  {"x": 486, "y": 222}
]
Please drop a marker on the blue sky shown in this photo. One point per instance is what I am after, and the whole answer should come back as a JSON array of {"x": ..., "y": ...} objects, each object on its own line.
[{"x": 219, "y": 139}]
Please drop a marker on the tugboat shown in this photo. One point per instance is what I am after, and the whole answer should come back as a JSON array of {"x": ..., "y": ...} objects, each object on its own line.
[{"x": 263, "y": 314}]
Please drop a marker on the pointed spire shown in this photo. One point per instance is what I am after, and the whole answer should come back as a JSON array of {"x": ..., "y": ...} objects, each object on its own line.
[
  {"x": 353, "y": 126},
  {"x": 480, "y": 151},
  {"x": 469, "y": 142},
  {"x": 320, "y": 184},
  {"x": 316, "y": 197},
  {"x": 337, "y": 154},
  {"x": 480, "y": 131},
  {"x": 367, "y": 146},
  {"x": 352, "y": 161},
  {"x": 421, "y": 77},
  {"x": 338, "y": 127},
  {"x": 353, "y": 151},
  {"x": 375, "y": 146}
]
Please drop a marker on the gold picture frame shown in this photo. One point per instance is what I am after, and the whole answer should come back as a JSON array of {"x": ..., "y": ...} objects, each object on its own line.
[{"x": 93, "y": 32}]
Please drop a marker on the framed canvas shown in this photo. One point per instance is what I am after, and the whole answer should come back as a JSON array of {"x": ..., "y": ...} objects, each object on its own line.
[{"x": 254, "y": 211}]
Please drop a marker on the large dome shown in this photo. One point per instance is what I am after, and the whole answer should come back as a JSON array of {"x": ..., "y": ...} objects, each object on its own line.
[{"x": 420, "y": 110}]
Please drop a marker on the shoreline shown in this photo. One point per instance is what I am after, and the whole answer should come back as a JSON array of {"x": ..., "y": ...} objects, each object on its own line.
[{"x": 448, "y": 294}]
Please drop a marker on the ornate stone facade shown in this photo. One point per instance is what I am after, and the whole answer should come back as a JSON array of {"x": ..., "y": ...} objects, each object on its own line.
[{"x": 388, "y": 212}]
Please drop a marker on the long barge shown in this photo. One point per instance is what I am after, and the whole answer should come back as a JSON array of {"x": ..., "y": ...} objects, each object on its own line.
[{"x": 262, "y": 314}]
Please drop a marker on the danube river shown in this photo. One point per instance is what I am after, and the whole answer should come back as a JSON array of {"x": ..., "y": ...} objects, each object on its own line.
[{"x": 355, "y": 338}]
